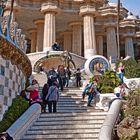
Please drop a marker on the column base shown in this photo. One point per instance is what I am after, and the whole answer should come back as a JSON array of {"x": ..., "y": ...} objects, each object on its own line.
[
  {"x": 47, "y": 49},
  {"x": 89, "y": 53}
]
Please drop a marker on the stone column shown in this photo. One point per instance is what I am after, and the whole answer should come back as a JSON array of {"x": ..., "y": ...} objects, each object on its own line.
[
  {"x": 100, "y": 44},
  {"x": 88, "y": 12},
  {"x": 76, "y": 37},
  {"x": 40, "y": 34},
  {"x": 111, "y": 43},
  {"x": 67, "y": 44},
  {"x": 33, "y": 35},
  {"x": 129, "y": 48},
  {"x": 50, "y": 10}
]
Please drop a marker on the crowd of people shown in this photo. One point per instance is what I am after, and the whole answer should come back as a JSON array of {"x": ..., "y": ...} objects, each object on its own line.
[{"x": 57, "y": 80}]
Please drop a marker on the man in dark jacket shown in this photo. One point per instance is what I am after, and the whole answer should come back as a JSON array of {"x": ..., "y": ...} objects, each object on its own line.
[{"x": 44, "y": 94}]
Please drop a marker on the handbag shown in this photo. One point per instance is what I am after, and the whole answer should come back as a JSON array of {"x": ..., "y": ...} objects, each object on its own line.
[
  {"x": 90, "y": 90},
  {"x": 49, "y": 95}
]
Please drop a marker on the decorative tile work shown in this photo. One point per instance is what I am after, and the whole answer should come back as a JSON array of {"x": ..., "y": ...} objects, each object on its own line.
[
  {"x": 12, "y": 81},
  {"x": 1, "y": 89}
]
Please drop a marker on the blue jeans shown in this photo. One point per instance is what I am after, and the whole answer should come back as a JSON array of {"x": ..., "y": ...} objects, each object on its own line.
[
  {"x": 121, "y": 75},
  {"x": 91, "y": 96}
]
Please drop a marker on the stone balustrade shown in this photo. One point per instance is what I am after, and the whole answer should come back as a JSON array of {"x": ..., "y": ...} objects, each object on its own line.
[
  {"x": 24, "y": 122},
  {"x": 110, "y": 120}
]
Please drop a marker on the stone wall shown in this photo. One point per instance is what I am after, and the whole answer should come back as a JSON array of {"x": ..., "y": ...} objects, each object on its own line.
[{"x": 12, "y": 81}]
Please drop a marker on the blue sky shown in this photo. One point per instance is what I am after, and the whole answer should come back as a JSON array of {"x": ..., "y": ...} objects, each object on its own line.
[{"x": 131, "y": 5}]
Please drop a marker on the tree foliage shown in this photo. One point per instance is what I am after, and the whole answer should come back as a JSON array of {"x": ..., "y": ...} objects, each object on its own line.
[
  {"x": 132, "y": 68},
  {"x": 19, "y": 105},
  {"x": 107, "y": 82}
]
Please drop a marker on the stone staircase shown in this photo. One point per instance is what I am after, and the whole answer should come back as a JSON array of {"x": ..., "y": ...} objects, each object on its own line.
[{"x": 73, "y": 120}]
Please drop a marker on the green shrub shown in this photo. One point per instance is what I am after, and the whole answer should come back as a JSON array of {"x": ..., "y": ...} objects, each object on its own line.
[
  {"x": 132, "y": 68},
  {"x": 19, "y": 105},
  {"x": 107, "y": 82}
]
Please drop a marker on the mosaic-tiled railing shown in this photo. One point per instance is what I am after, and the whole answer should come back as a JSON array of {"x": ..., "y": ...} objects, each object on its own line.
[
  {"x": 13, "y": 44},
  {"x": 14, "y": 63}
]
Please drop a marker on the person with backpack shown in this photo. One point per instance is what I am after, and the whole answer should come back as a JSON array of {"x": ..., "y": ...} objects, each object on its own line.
[
  {"x": 92, "y": 92},
  {"x": 44, "y": 94},
  {"x": 52, "y": 97}
]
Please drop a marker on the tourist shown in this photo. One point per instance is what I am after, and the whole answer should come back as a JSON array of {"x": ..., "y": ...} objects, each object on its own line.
[
  {"x": 34, "y": 94},
  {"x": 24, "y": 95},
  {"x": 5, "y": 136},
  {"x": 44, "y": 94},
  {"x": 56, "y": 47},
  {"x": 121, "y": 71},
  {"x": 52, "y": 76},
  {"x": 92, "y": 92},
  {"x": 78, "y": 78},
  {"x": 68, "y": 75},
  {"x": 52, "y": 97},
  {"x": 61, "y": 76},
  {"x": 121, "y": 91}
]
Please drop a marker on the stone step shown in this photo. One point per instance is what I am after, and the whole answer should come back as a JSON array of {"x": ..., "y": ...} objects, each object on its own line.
[
  {"x": 47, "y": 115},
  {"x": 74, "y": 109},
  {"x": 65, "y": 131},
  {"x": 61, "y": 137},
  {"x": 65, "y": 104},
  {"x": 66, "y": 122},
  {"x": 65, "y": 126},
  {"x": 72, "y": 118},
  {"x": 70, "y": 98}
]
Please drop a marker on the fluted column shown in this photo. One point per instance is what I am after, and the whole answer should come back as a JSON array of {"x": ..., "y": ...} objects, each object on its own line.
[
  {"x": 111, "y": 43},
  {"x": 40, "y": 34},
  {"x": 67, "y": 43},
  {"x": 88, "y": 12},
  {"x": 50, "y": 10},
  {"x": 76, "y": 37},
  {"x": 100, "y": 44},
  {"x": 129, "y": 48},
  {"x": 33, "y": 35}
]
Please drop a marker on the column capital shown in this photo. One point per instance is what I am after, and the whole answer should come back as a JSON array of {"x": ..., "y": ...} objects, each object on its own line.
[
  {"x": 49, "y": 7},
  {"x": 127, "y": 35},
  {"x": 110, "y": 25},
  {"x": 32, "y": 30},
  {"x": 66, "y": 33},
  {"x": 88, "y": 10},
  {"x": 39, "y": 21},
  {"x": 75, "y": 23},
  {"x": 100, "y": 34}
]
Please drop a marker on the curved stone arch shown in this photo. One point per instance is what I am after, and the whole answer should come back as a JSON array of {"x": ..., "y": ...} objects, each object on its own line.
[
  {"x": 49, "y": 58},
  {"x": 37, "y": 63},
  {"x": 99, "y": 61}
]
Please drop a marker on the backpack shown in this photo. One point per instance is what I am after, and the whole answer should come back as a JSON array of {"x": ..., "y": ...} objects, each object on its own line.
[{"x": 89, "y": 89}]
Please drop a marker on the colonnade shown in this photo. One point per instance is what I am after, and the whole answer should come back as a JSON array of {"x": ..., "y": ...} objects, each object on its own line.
[{"x": 80, "y": 32}]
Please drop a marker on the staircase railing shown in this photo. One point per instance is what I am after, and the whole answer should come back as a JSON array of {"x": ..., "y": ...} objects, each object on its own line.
[
  {"x": 110, "y": 120},
  {"x": 24, "y": 122}
]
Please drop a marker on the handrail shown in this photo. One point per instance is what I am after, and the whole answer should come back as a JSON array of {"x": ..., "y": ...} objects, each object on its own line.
[
  {"x": 18, "y": 128},
  {"x": 110, "y": 120}
]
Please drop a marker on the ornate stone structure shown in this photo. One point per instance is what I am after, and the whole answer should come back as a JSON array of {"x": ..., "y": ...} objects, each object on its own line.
[
  {"x": 83, "y": 27},
  {"x": 15, "y": 66}
]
